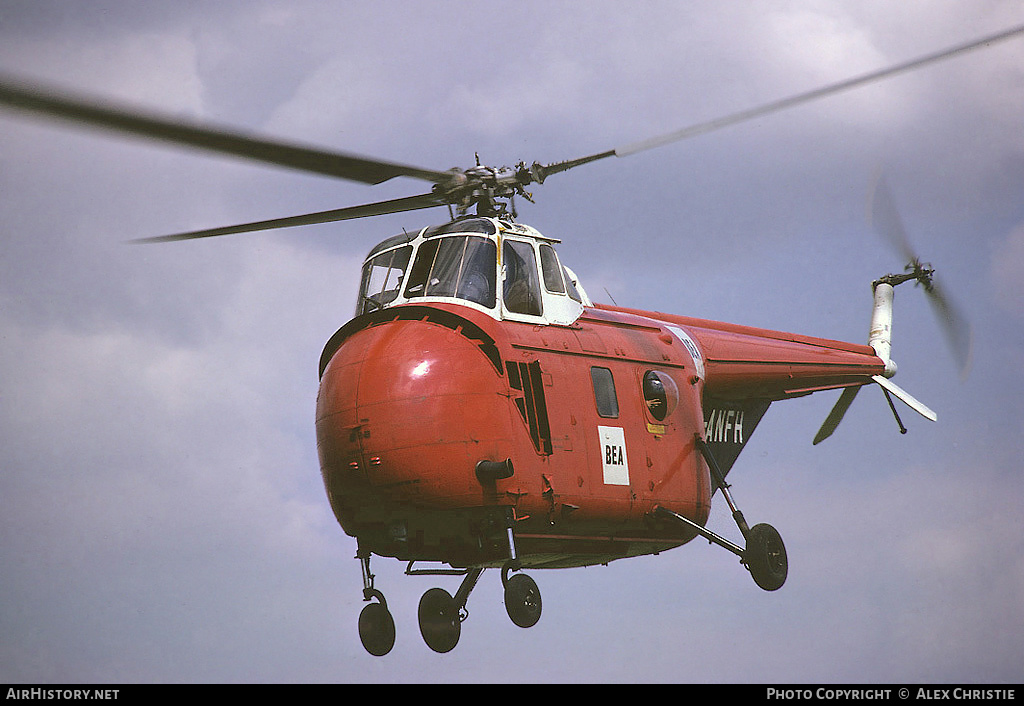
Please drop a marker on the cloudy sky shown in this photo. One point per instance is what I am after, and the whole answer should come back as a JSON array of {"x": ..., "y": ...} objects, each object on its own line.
[{"x": 161, "y": 508}]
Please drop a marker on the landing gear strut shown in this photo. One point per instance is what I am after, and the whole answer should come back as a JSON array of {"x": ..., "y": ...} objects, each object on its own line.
[
  {"x": 522, "y": 597},
  {"x": 441, "y": 614},
  {"x": 765, "y": 554}
]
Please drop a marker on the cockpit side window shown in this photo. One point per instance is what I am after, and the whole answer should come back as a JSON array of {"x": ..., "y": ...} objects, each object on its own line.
[
  {"x": 382, "y": 278},
  {"x": 522, "y": 283},
  {"x": 461, "y": 266},
  {"x": 417, "y": 282},
  {"x": 551, "y": 270},
  {"x": 574, "y": 293}
]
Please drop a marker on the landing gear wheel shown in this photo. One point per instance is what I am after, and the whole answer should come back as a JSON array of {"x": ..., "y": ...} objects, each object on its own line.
[
  {"x": 522, "y": 600},
  {"x": 765, "y": 557},
  {"x": 377, "y": 629},
  {"x": 440, "y": 623}
]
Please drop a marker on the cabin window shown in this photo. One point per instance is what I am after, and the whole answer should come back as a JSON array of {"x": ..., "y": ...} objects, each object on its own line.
[
  {"x": 660, "y": 394},
  {"x": 382, "y": 279},
  {"x": 551, "y": 271},
  {"x": 604, "y": 392},
  {"x": 522, "y": 283},
  {"x": 462, "y": 267}
]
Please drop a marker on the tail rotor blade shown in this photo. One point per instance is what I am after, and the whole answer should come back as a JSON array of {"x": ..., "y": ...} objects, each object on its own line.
[
  {"x": 837, "y": 414},
  {"x": 955, "y": 326},
  {"x": 885, "y": 218},
  {"x": 905, "y": 397}
]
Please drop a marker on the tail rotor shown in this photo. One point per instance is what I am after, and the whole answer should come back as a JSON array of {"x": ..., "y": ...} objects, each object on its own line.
[{"x": 885, "y": 219}]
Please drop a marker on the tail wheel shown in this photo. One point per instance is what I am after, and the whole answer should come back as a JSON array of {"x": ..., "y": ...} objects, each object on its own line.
[
  {"x": 440, "y": 623},
  {"x": 522, "y": 600},
  {"x": 765, "y": 557}
]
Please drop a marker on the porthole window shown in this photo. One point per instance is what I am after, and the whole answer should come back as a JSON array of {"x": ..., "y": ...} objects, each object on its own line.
[{"x": 660, "y": 394}]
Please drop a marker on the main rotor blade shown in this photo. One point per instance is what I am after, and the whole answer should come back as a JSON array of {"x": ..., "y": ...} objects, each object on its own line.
[
  {"x": 20, "y": 95},
  {"x": 380, "y": 208},
  {"x": 780, "y": 105}
]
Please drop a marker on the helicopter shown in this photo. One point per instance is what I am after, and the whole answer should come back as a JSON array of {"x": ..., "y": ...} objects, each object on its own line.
[{"x": 481, "y": 411}]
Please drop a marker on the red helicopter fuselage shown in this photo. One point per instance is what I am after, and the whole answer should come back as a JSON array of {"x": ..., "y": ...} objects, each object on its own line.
[{"x": 443, "y": 421}]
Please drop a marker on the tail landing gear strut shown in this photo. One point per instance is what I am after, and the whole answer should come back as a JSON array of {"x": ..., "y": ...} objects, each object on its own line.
[{"x": 765, "y": 554}]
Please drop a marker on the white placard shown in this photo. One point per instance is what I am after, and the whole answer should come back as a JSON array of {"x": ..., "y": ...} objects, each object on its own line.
[{"x": 613, "y": 455}]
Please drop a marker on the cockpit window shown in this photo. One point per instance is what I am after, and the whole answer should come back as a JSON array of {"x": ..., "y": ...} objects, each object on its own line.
[
  {"x": 552, "y": 272},
  {"x": 570, "y": 284},
  {"x": 382, "y": 278},
  {"x": 461, "y": 266},
  {"x": 522, "y": 283}
]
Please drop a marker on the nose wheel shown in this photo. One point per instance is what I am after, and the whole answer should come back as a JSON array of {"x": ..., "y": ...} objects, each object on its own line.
[
  {"x": 440, "y": 620},
  {"x": 377, "y": 628},
  {"x": 441, "y": 614}
]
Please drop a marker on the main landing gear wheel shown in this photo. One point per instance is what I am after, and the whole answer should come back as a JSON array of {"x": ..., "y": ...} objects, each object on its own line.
[
  {"x": 522, "y": 600},
  {"x": 765, "y": 557},
  {"x": 377, "y": 629},
  {"x": 440, "y": 621}
]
